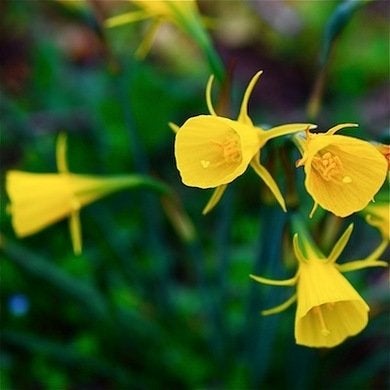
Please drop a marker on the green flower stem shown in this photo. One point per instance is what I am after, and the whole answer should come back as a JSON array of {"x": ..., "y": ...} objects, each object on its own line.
[
  {"x": 224, "y": 220},
  {"x": 195, "y": 29},
  {"x": 117, "y": 183},
  {"x": 211, "y": 316},
  {"x": 150, "y": 208},
  {"x": 305, "y": 239},
  {"x": 261, "y": 331}
]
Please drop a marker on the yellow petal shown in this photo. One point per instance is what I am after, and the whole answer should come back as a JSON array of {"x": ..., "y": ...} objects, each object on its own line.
[
  {"x": 208, "y": 95},
  {"x": 283, "y": 306},
  {"x": 340, "y": 244},
  {"x": 128, "y": 17},
  {"x": 329, "y": 309},
  {"x": 269, "y": 181},
  {"x": 147, "y": 42},
  {"x": 41, "y": 199},
  {"x": 211, "y": 151},
  {"x": 343, "y": 173},
  {"x": 37, "y": 200},
  {"x": 215, "y": 197},
  {"x": 273, "y": 282},
  {"x": 243, "y": 116}
]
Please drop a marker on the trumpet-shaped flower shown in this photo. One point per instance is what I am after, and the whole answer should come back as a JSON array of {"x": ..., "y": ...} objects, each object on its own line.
[
  {"x": 41, "y": 199},
  {"x": 329, "y": 309},
  {"x": 342, "y": 173},
  {"x": 183, "y": 14},
  {"x": 211, "y": 151}
]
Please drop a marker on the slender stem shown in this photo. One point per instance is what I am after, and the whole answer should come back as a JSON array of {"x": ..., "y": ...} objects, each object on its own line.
[
  {"x": 260, "y": 331},
  {"x": 150, "y": 209}
]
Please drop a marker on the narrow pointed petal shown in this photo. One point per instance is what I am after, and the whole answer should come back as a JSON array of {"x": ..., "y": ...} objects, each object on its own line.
[
  {"x": 269, "y": 181},
  {"x": 313, "y": 210},
  {"x": 175, "y": 128},
  {"x": 340, "y": 244},
  {"x": 61, "y": 147},
  {"x": 379, "y": 250},
  {"x": 279, "y": 131},
  {"x": 272, "y": 282},
  {"x": 334, "y": 129},
  {"x": 283, "y": 306},
  {"x": 208, "y": 95},
  {"x": 75, "y": 232},
  {"x": 360, "y": 264},
  {"x": 128, "y": 17},
  {"x": 297, "y": 249},
  {"x": 243, "y": 116},
  {"x": 215, "y": 198},
  {"x": 147, "y": 42}
]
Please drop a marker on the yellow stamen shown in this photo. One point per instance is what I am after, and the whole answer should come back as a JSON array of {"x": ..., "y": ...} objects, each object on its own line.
[
  {"x": 324, "y": 330},
  {"x": 330, "y": 167},
  {"x": 229, "y": 149}
]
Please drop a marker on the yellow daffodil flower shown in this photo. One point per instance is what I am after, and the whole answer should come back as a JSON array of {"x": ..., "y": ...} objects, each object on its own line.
[
  {"x": 41, "y": 199},
  {"x": 180, "y": 13},
  {"x": 342, "y": 173},
  {"x": 329, "y": 309},
  {"x": 211, "y": 151},
  {"x": 378, "y": 215},
  {"x": 184, "y": 14}
]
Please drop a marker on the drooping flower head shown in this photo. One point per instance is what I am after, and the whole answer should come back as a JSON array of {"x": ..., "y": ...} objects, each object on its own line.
[
  {"x": 211, "y": 151},
  {"x": 184, "y": 14},
  {"x": 343, "y": 173},
  {"x": 329, "y": 309},
  {"x": 41, "y": 199}
]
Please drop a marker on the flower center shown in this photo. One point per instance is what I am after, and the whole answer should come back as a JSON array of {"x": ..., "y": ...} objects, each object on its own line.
[
  {"x": 318, "y": 312},
  {"x": 330, "y": 167},
  {"x": 228, "y": 152},
  {"x": 231, "y": 150}
]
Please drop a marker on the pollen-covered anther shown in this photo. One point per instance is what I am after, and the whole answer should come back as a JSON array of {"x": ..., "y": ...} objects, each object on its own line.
[
  {"x": 330, "y": 168},
  {"x": 229, "y": 151}
]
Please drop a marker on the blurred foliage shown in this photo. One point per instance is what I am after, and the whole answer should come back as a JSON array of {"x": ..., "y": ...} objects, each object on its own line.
[{"x": 143, "y": 307}]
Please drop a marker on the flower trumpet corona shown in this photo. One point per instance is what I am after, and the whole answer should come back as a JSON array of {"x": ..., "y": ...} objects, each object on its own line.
[
  {"x": 329, "y": 309},
  {"x": 211, "y": 151},
  {"x": 38, "y": 200},
  {"x": 342, "y": 173}
]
